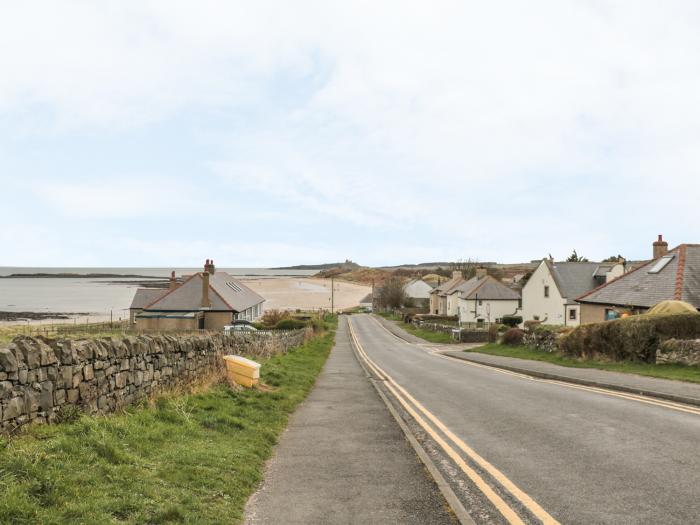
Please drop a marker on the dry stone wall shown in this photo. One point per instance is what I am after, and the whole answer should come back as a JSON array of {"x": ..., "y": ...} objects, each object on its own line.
[{"x": 39, "y": 377}]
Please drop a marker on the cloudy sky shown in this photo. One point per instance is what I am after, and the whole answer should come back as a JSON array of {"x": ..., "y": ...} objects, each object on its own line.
[{"x": 159, "y": 133}]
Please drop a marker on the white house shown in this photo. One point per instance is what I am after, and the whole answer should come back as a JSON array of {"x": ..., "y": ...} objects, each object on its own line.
[
  {"x": 419, "y": 291},
  {"x": 549, "y": 295},
  {"x": 485, "y": 299}
]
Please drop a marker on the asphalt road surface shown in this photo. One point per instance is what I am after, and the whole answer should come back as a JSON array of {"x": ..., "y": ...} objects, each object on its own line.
[{"x": 522, "y": 450}]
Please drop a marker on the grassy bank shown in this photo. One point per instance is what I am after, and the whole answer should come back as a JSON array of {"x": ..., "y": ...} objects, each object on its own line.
[
  {"x": 675, "y": 372},
  {"x": 187, "y": 459},
  {"x": 428, "y": 335}
]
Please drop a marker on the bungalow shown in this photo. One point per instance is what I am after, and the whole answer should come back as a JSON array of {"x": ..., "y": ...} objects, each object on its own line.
[
  {"x": 550, "y": 294},
  {"x": 418, "y": 291},
  {"x": 670, "y": 275},
  {"x": 207, "y": 300},
  {"x": 439, "y": 296},
  {"x": 485, "y": 299}
]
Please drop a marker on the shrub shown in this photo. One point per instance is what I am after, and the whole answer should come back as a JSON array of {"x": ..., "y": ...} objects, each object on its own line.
[
  {"x": 532, "y": 324},
  {"x": 543, "y": 338},
  {"x": 272, "y": 317},
  {"x": 631, "y": 339},
  {"x": 493, "y": 333},
  {"x": 290, "y": 324},
  {"x": 513, "y": 337},
  {"x": 511, "y": 320}
]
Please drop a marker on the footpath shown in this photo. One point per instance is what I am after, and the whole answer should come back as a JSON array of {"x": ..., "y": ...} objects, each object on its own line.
[
  {"x": 344, "y": 460},
  {"x": 678, "y": 391}
]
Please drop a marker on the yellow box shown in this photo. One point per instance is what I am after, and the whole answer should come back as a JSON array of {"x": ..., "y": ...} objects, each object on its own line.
[{"x": 242, "y": 371}]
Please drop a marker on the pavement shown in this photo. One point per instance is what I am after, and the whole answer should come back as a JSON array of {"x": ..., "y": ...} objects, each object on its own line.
[
  {"x": 520, "y": 449},
  {"x": 344, "y": 459},
  {"x": 649, "y": 386}
]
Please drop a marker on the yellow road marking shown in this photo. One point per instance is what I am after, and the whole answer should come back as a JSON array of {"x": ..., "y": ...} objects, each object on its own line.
[
  {"x": 497, "y": 501},
  {"x": 598, "y": 390}
]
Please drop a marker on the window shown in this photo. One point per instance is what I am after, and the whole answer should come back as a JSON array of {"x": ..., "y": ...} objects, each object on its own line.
[
  {"x": 481, "y": 302},
  {"x": 661, "y": 264},
  {"x": 546, "y": 291},
  {"x": 572, "y": 314}
]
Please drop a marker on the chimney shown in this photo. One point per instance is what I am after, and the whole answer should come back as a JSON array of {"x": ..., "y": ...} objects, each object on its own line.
[
  {"x": 481, "y": 272},
  {"x": 660, "y": 247},
  {"x": 209, "y": 266},
  {"x": 173, "y": 281},
  {"x": 456, "y": 274},
  {"x": 205, "y": 290}
]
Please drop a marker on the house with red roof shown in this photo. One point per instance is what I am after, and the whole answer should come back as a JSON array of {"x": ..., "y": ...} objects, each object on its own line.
[{"x": 670, "y": 275}]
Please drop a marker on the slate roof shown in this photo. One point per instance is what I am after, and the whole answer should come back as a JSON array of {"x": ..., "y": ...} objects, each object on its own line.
[
  {"x": 448, "y": 287},
  {"x": 678, "y": 280},
  {"x": 486, "y": 288},
  {"x": 145, "y": 296},
  {"x": 225, "y": 294},
  {"x": 573, "y": 278}
]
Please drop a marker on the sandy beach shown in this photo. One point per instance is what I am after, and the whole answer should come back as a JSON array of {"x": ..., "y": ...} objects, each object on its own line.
[{"x": 307, "y": 293}]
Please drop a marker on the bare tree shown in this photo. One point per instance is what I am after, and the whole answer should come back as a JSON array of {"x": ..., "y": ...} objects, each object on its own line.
[
  {"x": 466, "y": 266},
  {"x": 392, "y": 294}
]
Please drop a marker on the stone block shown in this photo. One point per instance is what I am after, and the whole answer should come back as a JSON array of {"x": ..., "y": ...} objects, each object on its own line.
[
  {"x": 32, "y": 398},
  {"x": 72, "y": 395},
  {"x": 124, "y": 365},
  {"x": 8, "y": 361},
  {"x": 77, "y": 379},
  {"x": 59, "y": 397},
  {"x": 46, "y": 396},
  {"x": 14, "y": 408},
  {"x": 120, "y": 380},
  {"x": 47, "y": 355},
  {"x": 88, "y": 373}
]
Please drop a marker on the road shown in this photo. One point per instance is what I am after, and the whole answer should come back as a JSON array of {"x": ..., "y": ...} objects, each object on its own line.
[{"x": 520, "y": 450}]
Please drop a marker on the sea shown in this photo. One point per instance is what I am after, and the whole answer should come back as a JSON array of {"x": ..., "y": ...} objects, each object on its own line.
[{"x": 97, "y": 296}]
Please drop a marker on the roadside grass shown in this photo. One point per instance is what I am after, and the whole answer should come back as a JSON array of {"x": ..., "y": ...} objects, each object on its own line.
[
  {"x": 664, "y": 371},
  {"x": 428, "y": 335},
  {"x": 192, "y": 458}
]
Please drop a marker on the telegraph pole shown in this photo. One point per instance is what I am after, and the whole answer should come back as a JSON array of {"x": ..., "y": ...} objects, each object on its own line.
[{"x": 332, "y": 295}]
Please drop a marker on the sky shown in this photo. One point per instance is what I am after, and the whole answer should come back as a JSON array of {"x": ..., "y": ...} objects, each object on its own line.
[{"x": 161, "y": 133}]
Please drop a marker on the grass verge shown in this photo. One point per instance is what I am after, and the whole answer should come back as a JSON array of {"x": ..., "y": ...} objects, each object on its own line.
[
  {"x": 428, "y": 335},
  {"x": 187, "y": 459},
  {"x": 666, "y": 371}
]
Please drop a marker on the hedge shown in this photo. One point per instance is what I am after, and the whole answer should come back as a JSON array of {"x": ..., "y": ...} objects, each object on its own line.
[
  {"x": 630, "y": 339},
  {"x": 290, "y": 324}
]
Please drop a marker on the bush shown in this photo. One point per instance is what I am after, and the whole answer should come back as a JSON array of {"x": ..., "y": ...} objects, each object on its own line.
[
  {"x": 511, "y": 320},
  {"x": 493, "y": 333},
  {"x": 290, "y": 324},
  {"x": 513, "y": 337},
  {"x": 272, "y": 317},
  {"x": 631, "y": 339},
  {"x": 543, "y": 338},
  {"x": 531, "y": 325}
]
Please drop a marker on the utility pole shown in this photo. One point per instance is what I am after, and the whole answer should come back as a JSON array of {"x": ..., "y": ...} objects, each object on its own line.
[{"x": 332, "y": 295}]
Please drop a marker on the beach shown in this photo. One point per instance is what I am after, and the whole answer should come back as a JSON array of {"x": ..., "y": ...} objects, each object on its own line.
[{"x": 307, "y": 293}]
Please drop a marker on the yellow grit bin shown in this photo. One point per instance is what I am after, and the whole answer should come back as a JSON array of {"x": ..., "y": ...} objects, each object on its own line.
[{"x": 242, "y": 371}]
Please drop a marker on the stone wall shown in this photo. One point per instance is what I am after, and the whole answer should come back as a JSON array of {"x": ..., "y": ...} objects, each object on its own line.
[
  {"x": 683, "y": 351},
  {"x": 38, "y": 376}
]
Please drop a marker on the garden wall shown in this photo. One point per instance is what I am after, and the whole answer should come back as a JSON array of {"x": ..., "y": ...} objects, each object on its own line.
[{"x": 38, "y": 376}]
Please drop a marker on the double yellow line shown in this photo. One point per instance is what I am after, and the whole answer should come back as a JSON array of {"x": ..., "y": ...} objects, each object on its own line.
[
  {"x": 597, "y": 390},
  {"x": 418, "y": 412}
]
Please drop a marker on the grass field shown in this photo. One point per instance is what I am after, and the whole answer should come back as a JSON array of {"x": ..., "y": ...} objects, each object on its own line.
[
  {"x": 187, "y": 459},
  {"x": 676, "y": 372}
]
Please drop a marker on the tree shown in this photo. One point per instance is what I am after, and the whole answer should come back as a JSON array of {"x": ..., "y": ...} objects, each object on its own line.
[
  {"x": 466, "y": 266},
  {"x": 574, "y": 257},
  {"x": 614, "y": 258},
  {"x": 392, "y": 294}
]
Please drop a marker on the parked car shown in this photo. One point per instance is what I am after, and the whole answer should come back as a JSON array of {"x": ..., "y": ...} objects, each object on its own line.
[{"x": 239, "y": 328}]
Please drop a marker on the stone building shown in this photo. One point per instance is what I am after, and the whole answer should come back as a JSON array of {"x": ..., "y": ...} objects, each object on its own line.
[{"x": 207, "y": 300}]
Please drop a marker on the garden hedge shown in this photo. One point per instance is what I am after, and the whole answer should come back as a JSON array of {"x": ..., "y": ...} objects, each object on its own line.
[{"x": 631, "y": 339}]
